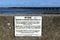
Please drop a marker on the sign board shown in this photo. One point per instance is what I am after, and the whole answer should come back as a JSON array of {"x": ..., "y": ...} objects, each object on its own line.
[{"x": 28, "y": 25}]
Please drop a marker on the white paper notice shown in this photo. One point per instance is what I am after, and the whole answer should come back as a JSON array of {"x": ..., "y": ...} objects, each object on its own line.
[{"x": 28, "y": 25}]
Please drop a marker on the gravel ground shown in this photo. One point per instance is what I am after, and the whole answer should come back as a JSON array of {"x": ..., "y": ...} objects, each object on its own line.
[{"x": 50, "y": 27}]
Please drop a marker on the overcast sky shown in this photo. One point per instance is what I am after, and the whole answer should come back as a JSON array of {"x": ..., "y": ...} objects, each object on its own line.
[{"x": 30, "y": 3}]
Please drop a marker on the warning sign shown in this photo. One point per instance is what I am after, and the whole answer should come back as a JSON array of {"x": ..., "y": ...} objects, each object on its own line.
[{"x": 28, "y": 25}]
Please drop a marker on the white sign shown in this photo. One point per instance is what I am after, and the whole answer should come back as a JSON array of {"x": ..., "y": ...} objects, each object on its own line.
[{"x": 28, "y": 25}]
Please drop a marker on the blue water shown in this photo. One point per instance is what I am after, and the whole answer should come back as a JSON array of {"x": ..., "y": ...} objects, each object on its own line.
[
  {"x": 2, "y": 10},
  {"x": 28, "y": 11}
]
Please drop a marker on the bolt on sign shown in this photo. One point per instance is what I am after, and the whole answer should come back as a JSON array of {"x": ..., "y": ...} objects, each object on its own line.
[{"x": 28, "y": 25}]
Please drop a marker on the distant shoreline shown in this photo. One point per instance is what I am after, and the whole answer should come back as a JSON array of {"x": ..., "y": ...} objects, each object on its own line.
[{"x": 28, "y": 7}]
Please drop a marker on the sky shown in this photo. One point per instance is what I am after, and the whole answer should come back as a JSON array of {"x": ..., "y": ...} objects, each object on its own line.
[{"x": 29, "y": 3}]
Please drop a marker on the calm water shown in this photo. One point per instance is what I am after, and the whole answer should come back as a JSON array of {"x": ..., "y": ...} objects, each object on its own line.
[
  {"x": 39, "y": 11},
  {"x": 19, "y": 11}
]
